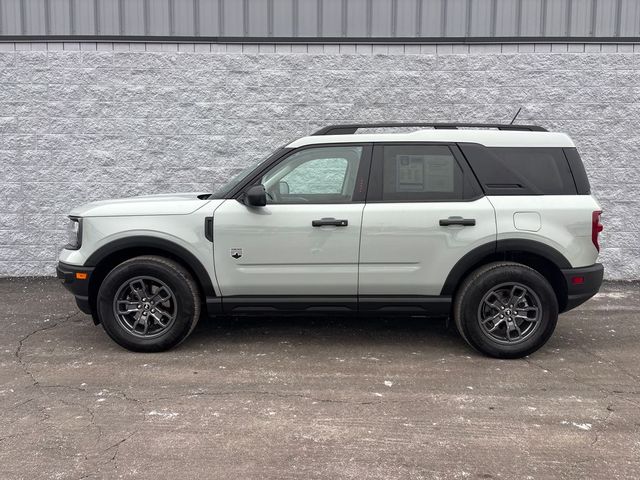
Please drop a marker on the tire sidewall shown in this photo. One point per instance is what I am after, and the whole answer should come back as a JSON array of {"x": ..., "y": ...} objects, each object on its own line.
[
  {"x": 184, "y": 297},
  {"x": 468, "y": 314}
]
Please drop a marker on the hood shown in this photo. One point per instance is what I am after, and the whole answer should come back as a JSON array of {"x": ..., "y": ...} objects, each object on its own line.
[{"x": 164, "y": 204}]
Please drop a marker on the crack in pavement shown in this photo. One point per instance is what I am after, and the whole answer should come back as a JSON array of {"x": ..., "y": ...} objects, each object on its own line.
[{"x": 21, "y": 343}]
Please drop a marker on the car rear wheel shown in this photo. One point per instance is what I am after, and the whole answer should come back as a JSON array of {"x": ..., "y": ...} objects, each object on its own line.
[
  {"x": 505, "y": 310},
  {"x": 148, "y": 304}
]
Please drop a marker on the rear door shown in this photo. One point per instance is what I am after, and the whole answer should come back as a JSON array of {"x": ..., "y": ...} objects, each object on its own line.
[{"x": 424, "y": 212}]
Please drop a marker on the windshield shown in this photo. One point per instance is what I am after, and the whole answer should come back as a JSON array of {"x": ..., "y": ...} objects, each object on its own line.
[{"x": 224, "y": 190}]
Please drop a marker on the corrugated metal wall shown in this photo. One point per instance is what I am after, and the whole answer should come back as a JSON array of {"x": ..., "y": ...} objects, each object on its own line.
[{"x": 322, "y": 18}]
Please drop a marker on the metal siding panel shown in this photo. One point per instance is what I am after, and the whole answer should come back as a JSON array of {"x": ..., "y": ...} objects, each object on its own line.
[
  {"x": 159, "y": 18},
  {"x": 208, "y": 18},
  {"x": 480, "y": 24},
  {"x": 581, "y": 18},
  {"x": 605, "y": 18},
  {"x": 406, "y": 18},
  {"x": 381, "y": 18},
  {"x": 84, "y": 17},
  {"x": 34, "y": 20},
  {"x": 183, "y": 18},
  {"x": 456, "y": 18},
  {"x": 283, "y": 18},
  {"x": 531, "y": 18},
  {"x": 431, "y": 21},
  {"x": 134, "y": 17},
  {"x": 108, "y": 19},
  {"x": 307, "y": 23},
  {"x": 357, "y": 18},
  {"x": 60, "y": 17},
  {"x": 556, "y": 16},
  {"x": 630, "y": 18},
  {"x": 332, "y": 18},
  {"x": 233, "y": 17},
  {"x": 506, "y": 18},
  {"x": 257, "y": 16},
  {"x": 11, "y": 18}
]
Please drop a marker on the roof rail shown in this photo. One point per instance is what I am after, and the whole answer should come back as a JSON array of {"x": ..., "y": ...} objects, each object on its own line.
[{"x": 351, "y": 128}]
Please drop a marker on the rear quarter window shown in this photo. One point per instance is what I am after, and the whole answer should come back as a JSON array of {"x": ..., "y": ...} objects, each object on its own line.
[{"x": 520, "y": 170}]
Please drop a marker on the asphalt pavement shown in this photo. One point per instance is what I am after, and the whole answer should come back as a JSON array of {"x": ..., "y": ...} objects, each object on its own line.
[{"x": 321, "y": 398}]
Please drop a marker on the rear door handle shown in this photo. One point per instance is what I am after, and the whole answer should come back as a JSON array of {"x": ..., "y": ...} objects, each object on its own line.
[
  {"x": 323, "y": 222},
  {"x": 466, "y": 222}
]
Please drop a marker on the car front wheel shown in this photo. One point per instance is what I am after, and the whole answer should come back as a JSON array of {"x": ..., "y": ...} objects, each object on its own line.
[
  {"x": 148, "y": 304},
  {"x": 506, "y": 310}
]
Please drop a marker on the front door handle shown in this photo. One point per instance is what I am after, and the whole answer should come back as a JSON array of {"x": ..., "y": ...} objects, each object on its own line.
[
  {"x": 465, "y": 222},
  {"x": 323, "y": 222}
]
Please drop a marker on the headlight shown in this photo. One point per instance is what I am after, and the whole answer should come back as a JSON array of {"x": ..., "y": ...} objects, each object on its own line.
[{"x": 74, "y": 231}]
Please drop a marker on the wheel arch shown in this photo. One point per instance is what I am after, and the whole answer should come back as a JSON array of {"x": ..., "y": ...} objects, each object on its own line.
[
  {"x": 113, "y": 253},
  {"x": 545, "y": 259}
]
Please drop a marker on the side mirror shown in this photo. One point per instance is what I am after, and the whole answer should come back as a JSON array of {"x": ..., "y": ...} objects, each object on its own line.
[{"x": 256, "y": 196}]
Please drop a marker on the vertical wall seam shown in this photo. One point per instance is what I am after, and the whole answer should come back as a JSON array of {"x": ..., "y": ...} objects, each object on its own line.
[
  {"x": 47, "y": 17},
  {"x": 494, "y": 17},
  {"x": 96, "y": 16},
  {"x": 121, "y": 28},
  {"x": 1, "y": 31},
  {"x": 146, "y": 19},
  {"x": 294, "y": 18},
  {"x": 172, "y": 14},
  {"x": 467, "y": 26},
  {"x": 72, "y": 16},
  {"x": 618, "y": 23},
  {"x": 543, "y": 18},
  {"x": 443, "y": 18},
  {"x": 394, "y": 18},
  {"x": 245, "y": 17},
  {"x": 221, "y": 17},
  {"x": 270, "y": 18},
  {"x": 369, "y": 18},
  {"x": 23, "y": 17},
  {"x": 418, "y": 17},
  {"x": 594, "y": 14},
  {"x": 343, "y": 24},
  {"x": 196, "y": 18},
  {"x": 518, "y": 17},
  {"x": 567, "y": 30},
  {"x": 319, "y": 19}
]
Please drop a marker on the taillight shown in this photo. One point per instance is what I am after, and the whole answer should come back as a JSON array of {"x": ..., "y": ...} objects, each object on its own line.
[{"x": 596, "y": 228}]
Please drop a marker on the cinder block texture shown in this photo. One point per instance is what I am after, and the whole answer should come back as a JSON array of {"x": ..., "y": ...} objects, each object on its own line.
[{"x": 77, "y": 126}]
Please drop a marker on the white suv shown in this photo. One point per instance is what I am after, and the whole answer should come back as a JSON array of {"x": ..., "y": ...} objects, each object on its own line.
[{"x": 491, "y": 224}]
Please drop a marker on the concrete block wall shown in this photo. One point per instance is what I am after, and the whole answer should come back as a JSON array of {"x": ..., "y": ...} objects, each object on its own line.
[{"x": 82, "y": 122}]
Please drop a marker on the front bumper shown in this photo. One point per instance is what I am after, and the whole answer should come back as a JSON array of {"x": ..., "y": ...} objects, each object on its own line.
[
  {"x": 582, "y": 284},
  {"x": 77, "y": 285}
]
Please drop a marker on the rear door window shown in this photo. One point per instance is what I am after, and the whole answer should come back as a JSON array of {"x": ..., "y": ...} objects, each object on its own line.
[{"x": 416, "y": 173}]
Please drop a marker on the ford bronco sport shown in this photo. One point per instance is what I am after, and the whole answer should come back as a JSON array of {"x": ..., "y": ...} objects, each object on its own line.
[{"x": 493, "y": 225}]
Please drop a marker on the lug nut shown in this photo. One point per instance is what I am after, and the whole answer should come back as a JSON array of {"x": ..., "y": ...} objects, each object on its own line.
[{"x": 153, "y": 310}]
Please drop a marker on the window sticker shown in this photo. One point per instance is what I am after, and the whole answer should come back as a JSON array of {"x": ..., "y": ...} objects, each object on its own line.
[
  {"x": 410, "y": 173},
  {"x": 424, "y": 173},
  {"x": 439, "y": 173}
]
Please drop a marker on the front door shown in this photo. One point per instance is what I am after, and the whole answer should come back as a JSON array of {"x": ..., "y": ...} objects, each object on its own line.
[{"x": 300, "y": 251}]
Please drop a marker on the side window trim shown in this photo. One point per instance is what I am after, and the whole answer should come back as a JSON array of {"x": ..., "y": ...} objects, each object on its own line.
[
  {"x": 362, "y": 178},
  {"x": 471, "y": 187}
]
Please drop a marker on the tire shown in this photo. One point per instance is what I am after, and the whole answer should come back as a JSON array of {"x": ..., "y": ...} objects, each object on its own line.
[
  {"x": 485, "y": 320},
  {"x": 131, "y": 306}
]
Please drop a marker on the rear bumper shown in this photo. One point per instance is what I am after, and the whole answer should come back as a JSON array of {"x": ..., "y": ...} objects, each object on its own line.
[
  {"x": 582, "y": 284},
  {"x": 78, "y": 287}
]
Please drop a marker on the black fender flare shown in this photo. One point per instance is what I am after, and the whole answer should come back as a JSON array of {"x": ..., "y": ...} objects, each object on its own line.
[
  {"x": 476, "y": 255},
  {"x": 142, "y": 241}
]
